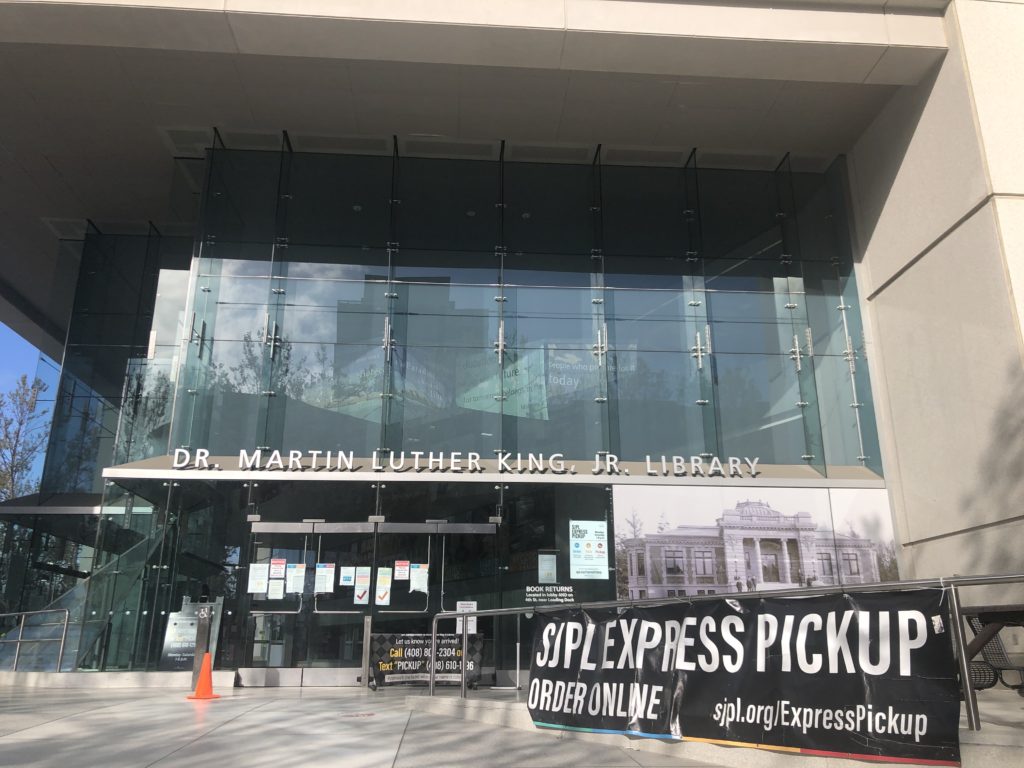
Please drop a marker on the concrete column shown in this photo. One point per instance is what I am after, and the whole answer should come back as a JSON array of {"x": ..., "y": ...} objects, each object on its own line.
[{"x": 785, "y": 576}]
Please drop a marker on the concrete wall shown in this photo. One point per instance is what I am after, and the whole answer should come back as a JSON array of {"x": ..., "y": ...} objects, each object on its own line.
[{"x": 938, "y": 194}]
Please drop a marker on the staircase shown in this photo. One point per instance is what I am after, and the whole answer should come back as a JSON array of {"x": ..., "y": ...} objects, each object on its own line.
[{"x": 88, "y": 604}]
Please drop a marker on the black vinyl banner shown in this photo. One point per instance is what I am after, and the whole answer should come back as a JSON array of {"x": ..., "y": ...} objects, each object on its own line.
[{"x": 869, "y": 676}]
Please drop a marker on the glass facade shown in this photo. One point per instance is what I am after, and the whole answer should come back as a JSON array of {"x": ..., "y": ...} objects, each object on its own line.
[
  {"x": 375, "y": 303},
  {"x": 383, "y": 304}
]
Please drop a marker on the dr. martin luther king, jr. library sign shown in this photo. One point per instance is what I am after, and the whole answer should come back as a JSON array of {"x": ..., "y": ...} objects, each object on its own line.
[{"x": 470, "y": 462}]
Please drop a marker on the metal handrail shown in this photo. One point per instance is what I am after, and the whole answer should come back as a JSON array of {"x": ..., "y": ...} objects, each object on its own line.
[
  {"x": 952, "y": 583},
  {"x": 21, "y": 632}
]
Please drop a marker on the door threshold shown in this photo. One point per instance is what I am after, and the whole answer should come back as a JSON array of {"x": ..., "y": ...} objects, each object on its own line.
[{"x": 299, "y": 677}]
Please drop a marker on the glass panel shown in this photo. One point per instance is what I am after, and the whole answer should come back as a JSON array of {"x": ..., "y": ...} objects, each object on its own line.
[
  {"x": 447, "y": 204},
  {"x": 326, "y": 397},
  {"x": 221, "y": 394},
  {"x": 222, "y": 376},
  {"x": 447, "y": 267},
  {"x": 642, "y": 210},
  {"x": 840, "y": 431},
  {"x": 337, "y": 200},
  {"x": 335, "y": 263},
  {"x": 242, "y": 197},
  {"x": 85, "y": 419},
  {"x": 738, "y": 215},
  {"x": 757, "y": 407},
  {"x": 445, "y": 384},
  {"x": 444, "y": 315},
  {"x": 146, "y": 411},
  {"x": 557, "y": 370},
  {"x": 444, "y": 399},
  {"x": 654, "y": 379},
  {"x": 551, "y": 318},
  {"x": 655, "y": 397},
  {"x": 548, "y": 208},
  {"x": 546, "y": 270},
  {"x": 649, "y": 320}
]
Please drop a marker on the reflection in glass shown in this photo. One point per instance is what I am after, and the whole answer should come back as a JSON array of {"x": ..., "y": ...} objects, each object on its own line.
[{"x": 360, "y": 303}]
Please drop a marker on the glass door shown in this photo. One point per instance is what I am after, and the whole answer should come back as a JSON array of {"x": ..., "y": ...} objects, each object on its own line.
[
  {"x": 280, "y": 569},
  {"x": 311, "y": 586}
]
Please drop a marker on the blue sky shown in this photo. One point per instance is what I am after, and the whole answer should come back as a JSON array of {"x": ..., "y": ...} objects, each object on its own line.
[{"x": 17, "y": 356}]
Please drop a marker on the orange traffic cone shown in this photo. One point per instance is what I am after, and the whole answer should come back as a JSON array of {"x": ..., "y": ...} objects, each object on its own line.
[{"x": 204, "y": 686}]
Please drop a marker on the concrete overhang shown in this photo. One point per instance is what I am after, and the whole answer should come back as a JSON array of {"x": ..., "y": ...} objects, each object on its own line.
[
  {"x": 53, "y": 504},
  {"x": 866, "y": 42},
  {"x": 100, "y": 98}
]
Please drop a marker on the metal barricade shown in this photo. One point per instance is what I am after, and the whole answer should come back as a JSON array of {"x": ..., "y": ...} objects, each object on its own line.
[
  {"x": 21, "y": 640},
  {"x": 950, "y": 583}
]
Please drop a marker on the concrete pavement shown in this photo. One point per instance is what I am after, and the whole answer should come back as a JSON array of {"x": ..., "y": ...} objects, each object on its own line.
[{"x": 273, "y": 728}]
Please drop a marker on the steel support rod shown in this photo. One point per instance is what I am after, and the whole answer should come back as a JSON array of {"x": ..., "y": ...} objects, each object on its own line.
[
  {"x": 63, "y": 640},
  {"x": 433, "y": 656},
  {"x": 367, "y": 636},
  {"x": 518, "y": 686},
  {"x": 465, "y": 648},
  {"x": 17, "y": 648},
  {"x": 960, "y": 643}
]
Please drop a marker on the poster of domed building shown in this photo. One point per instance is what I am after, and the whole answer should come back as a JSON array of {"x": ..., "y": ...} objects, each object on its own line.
[{"x": 689, "y": 541}]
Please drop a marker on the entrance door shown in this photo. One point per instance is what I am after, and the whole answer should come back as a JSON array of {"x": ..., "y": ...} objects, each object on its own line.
[
  {"x": 307, "y": 625},
  {"x": 318, "y": 583},
  {"x": 334, "y": 648}
]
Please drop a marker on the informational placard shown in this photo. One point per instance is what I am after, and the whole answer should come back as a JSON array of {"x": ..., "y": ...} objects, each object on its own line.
[
  {"x": 400, "y": 658},
  {"x": 466, "y": 606},
  {"x": 383, "y": 593},
  {"x": 296, "y": 576},
  {"x": 179, "y": 643},
  {"x": 867, "y": 676},
  {"x": 361, "y": 595},
  {"x": 547, "y": 594},
  {"x": 347, "y": 575},
  {"x": 258, "y": 575},
  {"x": 547, "y": 568},
  {"x": 277, "y": 567},
  {"x": 324, "y": 578},
  {"x": 180, "y": 635},
  {"x": 275, "y": 589},
  {"x": 588, "y": 549},
  {"x": 401, "y": 570},
  {"x": 419, "y": 577}
]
